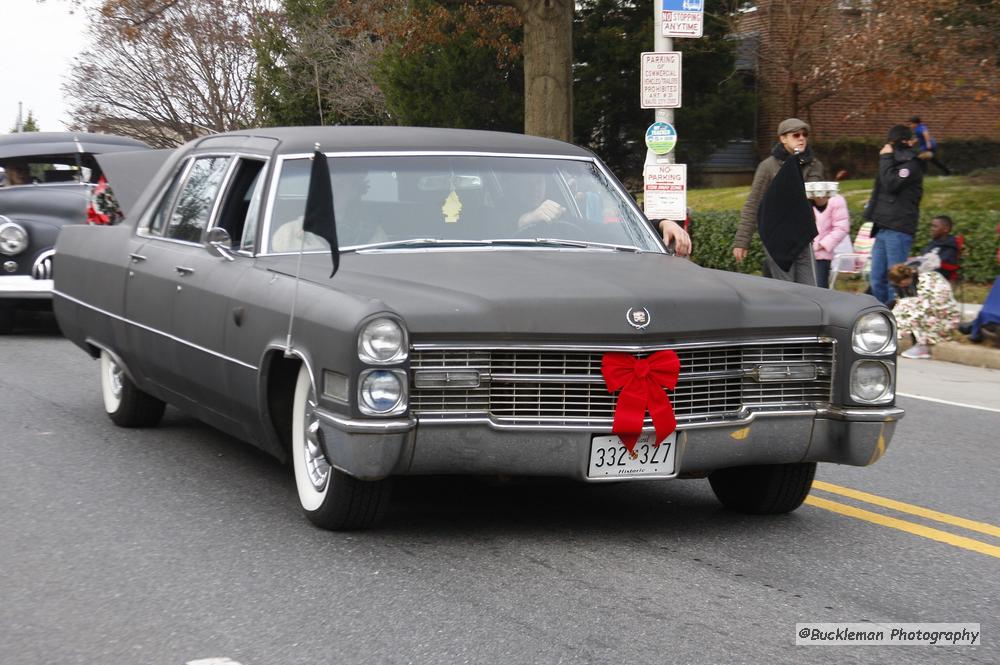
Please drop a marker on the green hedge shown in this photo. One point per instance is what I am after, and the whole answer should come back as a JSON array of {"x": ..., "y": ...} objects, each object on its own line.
[{"x": 713, "y": 240}]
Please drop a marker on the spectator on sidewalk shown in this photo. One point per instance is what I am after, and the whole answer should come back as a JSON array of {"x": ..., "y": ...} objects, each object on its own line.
[
  {"x": 987, "y": 322},
  {"x": 894, "y": 208},
  {"x": 779, "y": 208},
  {"x": 927, "y": 144},
  {"x": 929, "y": 314},
  {"x": 833, "y": 224},
  {"x": 943, "y": 244}
]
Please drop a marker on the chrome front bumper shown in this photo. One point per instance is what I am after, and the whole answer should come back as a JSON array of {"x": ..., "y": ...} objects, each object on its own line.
[
  {"x": 371, "y": 450},
  {"x": 25, "y": 286}
]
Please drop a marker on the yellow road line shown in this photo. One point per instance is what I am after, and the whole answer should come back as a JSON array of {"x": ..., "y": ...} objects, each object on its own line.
[
  {"x": 972, "y": 525},
  {"x": 903, "y": 525}
]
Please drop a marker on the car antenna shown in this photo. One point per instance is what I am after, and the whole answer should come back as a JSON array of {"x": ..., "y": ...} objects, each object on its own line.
[{"x": 319, "y": 220}]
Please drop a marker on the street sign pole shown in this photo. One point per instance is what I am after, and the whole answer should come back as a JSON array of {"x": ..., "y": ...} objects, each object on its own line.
[{"x": 661, "y": 44}]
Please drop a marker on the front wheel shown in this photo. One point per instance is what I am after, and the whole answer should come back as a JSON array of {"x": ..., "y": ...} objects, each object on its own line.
[
  {"x": 126, "y": 405},
  {"x": 767, "y": 489},
  {"x": 331, "y": 499}
]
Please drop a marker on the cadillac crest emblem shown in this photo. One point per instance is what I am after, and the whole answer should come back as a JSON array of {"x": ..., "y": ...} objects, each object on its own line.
[{"x": 637, "y": 317}]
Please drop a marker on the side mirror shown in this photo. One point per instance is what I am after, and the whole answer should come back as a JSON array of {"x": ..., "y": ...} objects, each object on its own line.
[{"x": 218, "y": 243}]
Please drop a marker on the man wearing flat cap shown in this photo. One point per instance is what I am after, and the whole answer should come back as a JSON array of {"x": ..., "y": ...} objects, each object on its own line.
[{"x": 777, "y": 206}]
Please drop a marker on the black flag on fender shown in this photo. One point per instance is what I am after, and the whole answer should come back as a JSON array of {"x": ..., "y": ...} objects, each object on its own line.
[
  {"x": 785, "y": 218},
  {"x": 319, "y": 217}
]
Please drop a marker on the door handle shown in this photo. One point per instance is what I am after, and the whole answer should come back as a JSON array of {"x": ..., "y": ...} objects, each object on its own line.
[
  {"x": 136, "y": 258},
  {"x": 184, "y": 271}
]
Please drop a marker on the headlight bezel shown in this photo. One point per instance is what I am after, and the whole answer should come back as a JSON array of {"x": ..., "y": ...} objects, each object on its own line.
[
  {"x": 367, "y": 351},
  {"x": 887, "y": 347},
  {"x": 888, "y": 394},
  {"x": 402, "y": 400},
  {"x": 7, "y": 225}
]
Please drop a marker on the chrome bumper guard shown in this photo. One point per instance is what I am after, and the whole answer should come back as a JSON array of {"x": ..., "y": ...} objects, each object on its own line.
[{"x": 371, "y": 450}]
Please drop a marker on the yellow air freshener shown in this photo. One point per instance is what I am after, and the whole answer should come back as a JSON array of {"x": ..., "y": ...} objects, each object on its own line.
[{"x": 452, "y": 208}]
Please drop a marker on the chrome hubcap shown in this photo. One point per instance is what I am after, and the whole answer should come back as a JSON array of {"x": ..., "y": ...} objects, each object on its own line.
[
  {"x": 317, "y": 466},
  {"x": 115, "y": 379}
]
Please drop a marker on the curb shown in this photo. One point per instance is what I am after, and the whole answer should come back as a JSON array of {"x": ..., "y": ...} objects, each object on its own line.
[{"x": 967, "y": 354}]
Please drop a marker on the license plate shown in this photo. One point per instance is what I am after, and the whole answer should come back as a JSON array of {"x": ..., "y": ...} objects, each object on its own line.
[{"x": 610, "y": 459}]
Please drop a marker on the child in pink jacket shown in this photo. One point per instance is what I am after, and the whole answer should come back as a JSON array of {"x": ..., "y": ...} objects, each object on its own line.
[{"x": 833, "y": 224}]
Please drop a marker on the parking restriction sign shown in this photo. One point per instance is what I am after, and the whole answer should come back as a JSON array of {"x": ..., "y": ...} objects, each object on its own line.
[
  {"x": 661, "y": 80},
  {"x": 683, "y": 18}
]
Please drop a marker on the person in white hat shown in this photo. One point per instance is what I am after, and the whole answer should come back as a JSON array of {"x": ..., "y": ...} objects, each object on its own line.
[{"x": 833, "y": 224}]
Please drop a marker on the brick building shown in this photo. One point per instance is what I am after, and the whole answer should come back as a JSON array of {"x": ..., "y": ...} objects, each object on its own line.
[{"x": 780, "y": 48}]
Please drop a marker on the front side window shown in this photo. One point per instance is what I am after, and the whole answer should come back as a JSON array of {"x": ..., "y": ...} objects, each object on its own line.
[
  {"x": 459, "y": 198},
  {"x": 194, "y": 205}
]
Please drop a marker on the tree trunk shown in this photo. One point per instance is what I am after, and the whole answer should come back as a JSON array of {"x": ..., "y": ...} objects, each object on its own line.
[{"x": 548, "y": 74}]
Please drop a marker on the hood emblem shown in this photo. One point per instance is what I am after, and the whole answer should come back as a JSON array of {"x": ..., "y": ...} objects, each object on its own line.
[{"x": 637, "y": 317}]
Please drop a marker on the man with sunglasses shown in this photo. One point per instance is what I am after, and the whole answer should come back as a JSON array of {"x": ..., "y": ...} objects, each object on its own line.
[{"x": 793, "y": 142}]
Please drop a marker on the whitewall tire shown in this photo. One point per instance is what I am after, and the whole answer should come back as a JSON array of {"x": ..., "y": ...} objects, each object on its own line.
[
  {"x": 330, "y": 498},
  {"x": 126, "y": 405}
]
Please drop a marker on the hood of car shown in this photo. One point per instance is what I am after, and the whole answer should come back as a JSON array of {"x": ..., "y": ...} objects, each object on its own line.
[
  {"x": 617, "y": 296},
  {"x": 53, "y": 205}
]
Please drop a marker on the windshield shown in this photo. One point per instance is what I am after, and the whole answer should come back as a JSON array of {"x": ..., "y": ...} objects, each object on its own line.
[
  {"x": 413, "y": 200},
  {"x": 41, "y": 169}
]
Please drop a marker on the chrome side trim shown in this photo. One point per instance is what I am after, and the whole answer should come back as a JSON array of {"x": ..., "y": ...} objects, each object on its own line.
[
  {"x": 155, "y": 331},
  {"x": 367, "y": 426},
  {"x": 627, "y": 348},
  {"x": 25, "y": 286}
]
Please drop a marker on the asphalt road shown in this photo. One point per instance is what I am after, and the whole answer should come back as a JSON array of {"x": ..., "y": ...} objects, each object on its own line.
[{"x": 177, "y": 544}]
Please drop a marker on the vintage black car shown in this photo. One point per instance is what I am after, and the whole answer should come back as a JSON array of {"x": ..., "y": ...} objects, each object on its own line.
[
  {"x": 490, "y": 289},
  {"x": 48, "y": 180}
]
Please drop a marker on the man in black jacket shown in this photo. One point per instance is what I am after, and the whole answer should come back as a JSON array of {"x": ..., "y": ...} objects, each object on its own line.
[{"x": 894, "y": 207}]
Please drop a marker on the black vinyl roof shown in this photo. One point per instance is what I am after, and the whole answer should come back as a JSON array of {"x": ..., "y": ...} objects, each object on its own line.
[
  {"x": 293, "y": 140},
  {"x": 27, "y": 144}
]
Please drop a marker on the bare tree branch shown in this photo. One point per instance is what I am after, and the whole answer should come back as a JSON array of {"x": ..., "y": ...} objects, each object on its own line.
[{"x": 188, "y": 71}]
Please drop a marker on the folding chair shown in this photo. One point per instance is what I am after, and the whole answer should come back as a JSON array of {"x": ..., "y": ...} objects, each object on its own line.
[
  {"x": 856, "y": 262},
  {"x": 953, "y": 271}
]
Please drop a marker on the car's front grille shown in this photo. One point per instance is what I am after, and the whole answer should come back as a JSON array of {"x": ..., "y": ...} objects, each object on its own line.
[
  {"x": 42, "y": 268},
  {"x": 527, "y": 387}
]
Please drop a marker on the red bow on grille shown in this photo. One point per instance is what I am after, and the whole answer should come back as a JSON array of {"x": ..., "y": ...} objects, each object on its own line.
[{"x": 642, "y": 382}]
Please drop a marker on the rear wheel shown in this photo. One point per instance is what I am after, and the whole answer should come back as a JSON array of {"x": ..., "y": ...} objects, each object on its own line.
[
  {"x": 126, "y": 405},
  {"x": 330, "y": 498},
  {"x": 763, "y": 490}
]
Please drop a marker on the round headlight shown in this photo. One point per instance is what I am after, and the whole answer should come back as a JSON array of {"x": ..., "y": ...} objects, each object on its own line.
[
  {"x": 381, "y": 392},
  {"x": 871, "y": 381},
  {"x": 382, "y": 341},
  {"x": 873, "y": 334},
  {"x": 13, "y": 238}
]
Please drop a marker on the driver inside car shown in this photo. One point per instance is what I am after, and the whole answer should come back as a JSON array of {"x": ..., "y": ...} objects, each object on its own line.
[{"x": 541, "y": 210}]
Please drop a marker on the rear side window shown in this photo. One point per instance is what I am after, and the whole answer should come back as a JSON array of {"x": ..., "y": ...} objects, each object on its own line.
[{"x": 194, "y": 205}]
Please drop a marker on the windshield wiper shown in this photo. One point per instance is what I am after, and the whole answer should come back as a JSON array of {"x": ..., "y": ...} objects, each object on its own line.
[
  {"x": 563, "y": 242},
  {"x": 416, "y": 242},
  {"x": 527, "y": 242}
]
